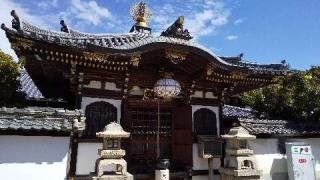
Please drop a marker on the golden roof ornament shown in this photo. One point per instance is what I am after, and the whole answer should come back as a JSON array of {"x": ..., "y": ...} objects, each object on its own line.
[
  {"x": 141, "y": 13},
  {"x": 176, "y": 30}
]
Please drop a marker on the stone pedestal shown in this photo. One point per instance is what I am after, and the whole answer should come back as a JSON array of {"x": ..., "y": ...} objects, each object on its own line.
[
  {"x": 239, "y": 164},
  {"x": 112, "y": 154}
]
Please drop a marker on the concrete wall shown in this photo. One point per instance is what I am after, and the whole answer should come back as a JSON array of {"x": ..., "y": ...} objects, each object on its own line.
[
  {"x": 274, "y": 164},
  {"x": 33, "y": 157},
  {"x": 88, "y": 100},
  {"x": 201, "y": 163}
]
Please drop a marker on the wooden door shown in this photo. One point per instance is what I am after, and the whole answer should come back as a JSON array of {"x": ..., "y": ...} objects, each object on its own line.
[
  {"x": 182, "y": 138},
  {"x": 98, "y": 115}
]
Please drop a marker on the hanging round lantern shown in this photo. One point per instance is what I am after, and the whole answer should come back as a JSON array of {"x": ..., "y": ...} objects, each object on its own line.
[{"x": 167, "y": 88}]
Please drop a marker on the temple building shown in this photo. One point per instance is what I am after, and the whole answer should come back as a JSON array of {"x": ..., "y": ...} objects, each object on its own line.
[{"x": 167, "y": 91}]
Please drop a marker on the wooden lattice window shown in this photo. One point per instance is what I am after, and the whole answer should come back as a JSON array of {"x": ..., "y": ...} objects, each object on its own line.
[
  {"x": 205, "y": 122},
  {"x": 144, "y": 126},
  {"x": 98, "y": 115}
]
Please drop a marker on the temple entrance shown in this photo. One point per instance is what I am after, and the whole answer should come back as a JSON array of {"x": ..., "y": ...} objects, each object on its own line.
[{"x": 175, "y": 136}]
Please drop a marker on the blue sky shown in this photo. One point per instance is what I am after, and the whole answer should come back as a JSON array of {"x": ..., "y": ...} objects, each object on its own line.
[{"x": 265, "y": 31}]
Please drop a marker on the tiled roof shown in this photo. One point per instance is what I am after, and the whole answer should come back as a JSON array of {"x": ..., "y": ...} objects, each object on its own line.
[
  {"x": 28, "y": 86},
  {"x": 238, "y": 112},
  {"x": 262, "y": 126},
  {"x": 129, "y": 42},
  {"x": 72, "y": 37},
  {"x": 279, "y": 127},
  {"x": 255, "y": 67},
  {"x": 38, "y": 119}
]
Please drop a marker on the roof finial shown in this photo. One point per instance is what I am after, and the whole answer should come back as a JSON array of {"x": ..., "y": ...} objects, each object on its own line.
[
  {"x": 141, "y": 13},
  {"x": 64, "y": 26},
  {"x": 176, "y": 30}
]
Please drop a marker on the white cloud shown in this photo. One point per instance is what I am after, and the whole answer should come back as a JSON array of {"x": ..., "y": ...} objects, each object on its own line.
[
  {"x": 238, "y": 21},
  {"x": 78, "y": 12},
  {"x": 202, "y": 17},
  {"x": 47, "y": 4},
  {"x": 5, "y": 7},
  {"x": 232, "y": 37},
  {"x": 88, "y": 12}
]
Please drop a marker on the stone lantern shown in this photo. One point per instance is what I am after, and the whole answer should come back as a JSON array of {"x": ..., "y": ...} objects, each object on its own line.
[
  {"x": 112, "y": 154},
  {"x": 239, "y": 162}
]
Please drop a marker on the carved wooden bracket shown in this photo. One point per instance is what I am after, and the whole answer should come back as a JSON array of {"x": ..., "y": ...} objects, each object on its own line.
[
  {"x": 135, "y": 59},
  {"x": 95, "y": 56},
  {"x": 176, "y": 56}
]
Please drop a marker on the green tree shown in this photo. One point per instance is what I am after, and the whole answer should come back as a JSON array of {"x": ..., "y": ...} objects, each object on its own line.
[
  {"x": 9, "y": 83},
  {"x": 296, "y": 97}
]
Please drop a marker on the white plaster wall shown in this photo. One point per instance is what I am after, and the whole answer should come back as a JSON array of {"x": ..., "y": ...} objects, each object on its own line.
[
  {"x": 197, "y": 94},
  {"x": 214, "y": 109},
  {"x": 33, "y": 157},
  {"x": 274, "y": 164},
  {"x": 86, "y": 158},
  {"x": 93, "y": 84},
  {"x": 88, "y": 100},
  {"x": 210, "y": 95},
  {"x": 201, "y": 163},
  {"x": 111, "y": 86}
]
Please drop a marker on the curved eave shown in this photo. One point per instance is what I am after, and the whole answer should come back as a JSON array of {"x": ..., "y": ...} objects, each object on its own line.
[
  {"x": 153, "y": 43},
  {"x": 147, "y": 44},
  {"x": 162, "y": 42}
]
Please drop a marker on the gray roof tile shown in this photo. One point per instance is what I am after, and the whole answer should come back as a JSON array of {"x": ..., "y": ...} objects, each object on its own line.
[
  {"x": 28, "y": 86},
  {"x": 137, "y": 39},
  {"x": 36, "y": 118},
  {"x": 261, "y": 126}
]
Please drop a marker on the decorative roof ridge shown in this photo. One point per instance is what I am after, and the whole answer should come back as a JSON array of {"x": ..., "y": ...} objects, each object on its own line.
[
  {"x": 238, "y": 60},
  {"x": 22, "y": 26},
  {"x": 130, "y": 41},
  {"x": 167, "y": 39},
  {"x": 176, "y": 30},
  {"x": 248, "y": 62},
  {"x": 76, "y": 33}
]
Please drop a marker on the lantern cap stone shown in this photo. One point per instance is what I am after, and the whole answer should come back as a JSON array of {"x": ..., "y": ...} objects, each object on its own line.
[
  {"x": 238, "y": 133},
  {"x": 113, "y": 130}
]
